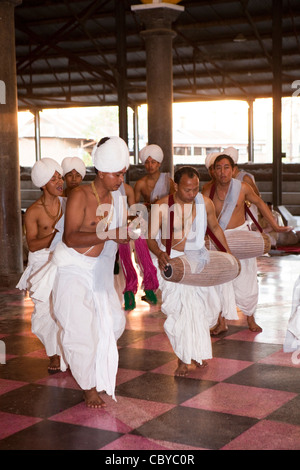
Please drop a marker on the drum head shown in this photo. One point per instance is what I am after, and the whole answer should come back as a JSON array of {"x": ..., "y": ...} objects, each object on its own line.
[{"x": 168, "y": 271}]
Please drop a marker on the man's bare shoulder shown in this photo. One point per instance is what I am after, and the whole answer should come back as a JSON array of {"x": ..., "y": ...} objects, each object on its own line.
[
  {"x": 34, "y": 209},
  {"x": 81, "y": 192}
]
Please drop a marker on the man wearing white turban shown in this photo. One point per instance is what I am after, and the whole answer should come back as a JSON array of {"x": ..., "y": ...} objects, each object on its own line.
[
  {"x": 209, "y": 163},
  {"x": 44, "y": 222},
  {"x": 150, "y": 188},
  {"x": 154, "y": 185},
  {"x": 74, "y": 171},
  {"x": 81, "y": 278}
]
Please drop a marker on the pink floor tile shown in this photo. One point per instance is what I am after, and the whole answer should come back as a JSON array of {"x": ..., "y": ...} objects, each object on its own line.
[
  {"x": 267, "y": 435},
  {"x": 18, "y": 423},
  {"x": 268, "y": 335},
  {"x": 61, "y": 379},
  {"x": 8, "y": 385},
  {"x": 124, "y": 375},
  {"x": 218, "y": 369},
  {"x": 130, "y": 442},
  {"x": 84, "y": 416},
  {"x": 135, "y": 412},
  {"x": 281, "y": 358},
  {"x": 39, "y": 353},
  {"x": 240, "y": 400},
  {"x": 158, "y": 342},
  {"x": 122, "y": 416}
]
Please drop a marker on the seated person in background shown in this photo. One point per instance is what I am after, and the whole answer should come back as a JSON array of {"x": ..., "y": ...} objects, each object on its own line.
[{"x": 284, "y": 238}]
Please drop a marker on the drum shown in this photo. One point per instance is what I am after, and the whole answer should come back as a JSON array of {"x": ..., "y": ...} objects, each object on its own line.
[
  {"x": 244, "y": 244},
  {"x": 221, "y": 268}
]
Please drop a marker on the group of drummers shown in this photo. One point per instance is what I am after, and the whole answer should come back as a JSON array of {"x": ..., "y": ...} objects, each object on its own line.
[{"x": 199, "y": 293}]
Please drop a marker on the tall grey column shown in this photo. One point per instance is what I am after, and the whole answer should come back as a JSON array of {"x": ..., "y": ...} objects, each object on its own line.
[
  {"x": 11, "y": 260},
  {"x": 158, "y": 36}
]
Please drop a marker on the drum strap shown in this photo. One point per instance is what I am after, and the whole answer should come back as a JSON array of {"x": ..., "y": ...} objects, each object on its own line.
[
  {"x": 171, "y": 224},
  {"x": 208, "y": 231},
  {"x": 247, "y": 210}
]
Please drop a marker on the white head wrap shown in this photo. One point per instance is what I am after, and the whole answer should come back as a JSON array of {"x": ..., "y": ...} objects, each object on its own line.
[
  {"x": 73, "y": 163},
  {"x": 231, "y": 152},
  {"x": 111, "y": 156},
  {"x": 43, "y": 170},
  {"x": 210, "y": 159},
  {"x": 154, "y": 151}
]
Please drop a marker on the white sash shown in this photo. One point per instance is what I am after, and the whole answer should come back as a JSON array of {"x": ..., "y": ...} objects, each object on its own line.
[{"x": 229, "y": 203}]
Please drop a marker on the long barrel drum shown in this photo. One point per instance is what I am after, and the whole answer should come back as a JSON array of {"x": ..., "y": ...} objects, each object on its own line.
[
  {"x": 244, "y": 244},
  {"x": 222, "y": 267}
]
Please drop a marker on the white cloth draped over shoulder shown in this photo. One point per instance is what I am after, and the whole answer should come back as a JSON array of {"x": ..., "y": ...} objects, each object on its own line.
[
  {"x": 87, "y": 307},
  {"x": 161, "y": 188},
  {"x": 245, "y": 285},
  {"x": 191, "y": 310}
]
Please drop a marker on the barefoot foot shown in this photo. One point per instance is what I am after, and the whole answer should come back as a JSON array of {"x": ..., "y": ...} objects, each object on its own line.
[
  {"x": 54, "y": 364},
  {"x": 253, "y": 326},
  {"x": 92, "y": 399},
  {"x": 182, "y": 369}
]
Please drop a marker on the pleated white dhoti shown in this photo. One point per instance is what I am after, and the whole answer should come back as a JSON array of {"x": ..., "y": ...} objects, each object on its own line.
[
  {"x": 43, "y": 322},
  {"x": 89, "y": 312},
  {"x": 191, "y": 312},
  {"x": 245, "y": 285}
]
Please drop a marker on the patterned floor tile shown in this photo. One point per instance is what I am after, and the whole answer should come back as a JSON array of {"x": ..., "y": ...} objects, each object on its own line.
[
  {"x": 269, "y": 376},
  {"x": 267, "y": 435},
  {"x": 198, "y": 428},
  {"x": 163, "y": 388},
  {"x": 240, "y": 400}
]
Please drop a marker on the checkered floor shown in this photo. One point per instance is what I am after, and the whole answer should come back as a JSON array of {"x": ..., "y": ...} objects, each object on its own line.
[{"x": 247, "y": 398}]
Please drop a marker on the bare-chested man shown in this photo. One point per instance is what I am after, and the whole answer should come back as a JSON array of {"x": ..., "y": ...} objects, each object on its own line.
[
  {"x": 154, "y": 185},
  {"x": 186, "y": 307},
  {"x": 84, "y": 299},
  {"x": 229, "y": 196},
  {"x": 44, "y": 228}
]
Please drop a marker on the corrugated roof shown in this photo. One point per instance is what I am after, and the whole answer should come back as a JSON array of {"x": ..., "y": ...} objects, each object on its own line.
[{"x": 67, "y": 51}]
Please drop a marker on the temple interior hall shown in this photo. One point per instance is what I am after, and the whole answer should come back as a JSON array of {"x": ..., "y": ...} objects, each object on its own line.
[{"x": 128, "y": 53}]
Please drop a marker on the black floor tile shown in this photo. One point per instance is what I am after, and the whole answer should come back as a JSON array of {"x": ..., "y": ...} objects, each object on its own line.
[
  {"x": 20, "y": 345},
  {"x": 289, "y": 412},
  {"x": 50, "y": 435},
  {"x": 163, "y": 388},
  {"x": 243, "y": 350},
  {"x": 143, "y": 359},
  {"x": 132, "y": 336},
  {"x": 39, "y": 401},
  {"x": 24, "y": 368},
  {"x": 198, "y": 428},
  {"x": 268, "y": 376}
]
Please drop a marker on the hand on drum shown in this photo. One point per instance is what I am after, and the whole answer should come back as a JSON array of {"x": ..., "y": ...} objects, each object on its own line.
[
  {"x": 283, "y": 228},
  {"x": 163, "y": 260}
]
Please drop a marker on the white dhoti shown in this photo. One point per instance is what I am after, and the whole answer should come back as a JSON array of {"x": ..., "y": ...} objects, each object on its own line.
[
  {"x": 89, "y": 311},
  {"x": 292, "y": 339},
  {"x": 43, "y": 322},
  {"x": 191, "y": 312},
  {"x": 245, "y": 285}
]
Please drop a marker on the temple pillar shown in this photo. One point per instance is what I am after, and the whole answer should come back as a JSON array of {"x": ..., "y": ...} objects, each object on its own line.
[
  {"x": 11, "y": 258},
  {"x": 158, "y": 35}
]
